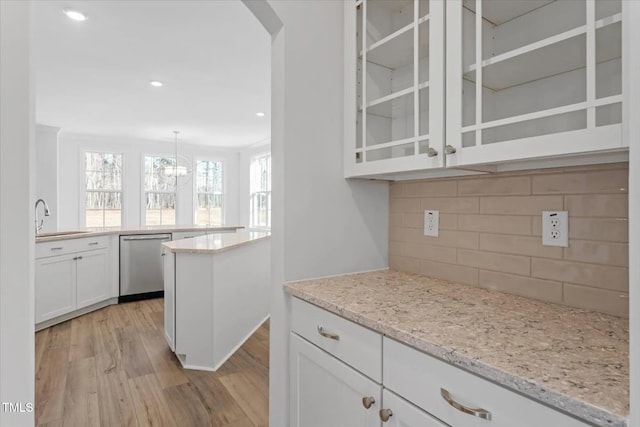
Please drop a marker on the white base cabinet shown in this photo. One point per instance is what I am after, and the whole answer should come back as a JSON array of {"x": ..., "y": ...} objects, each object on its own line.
[
  {"x": 326, "y": 392},
  {"x": 329, "y": 388},
  {"x": 71, "y": 275}
]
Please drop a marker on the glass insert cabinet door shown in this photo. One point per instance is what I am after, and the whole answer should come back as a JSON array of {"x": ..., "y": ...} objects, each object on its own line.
[
  {"x": 395, "y": 62},
  {"x": 532, "y": 79}
]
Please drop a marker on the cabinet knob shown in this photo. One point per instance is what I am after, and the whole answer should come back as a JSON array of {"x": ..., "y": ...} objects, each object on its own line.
[
  {"x": 385, "y": 414},
  {"x": 432, "y": 152},
  {"x": 449, "y": 149},
  {"x": 368, "y": 401}
]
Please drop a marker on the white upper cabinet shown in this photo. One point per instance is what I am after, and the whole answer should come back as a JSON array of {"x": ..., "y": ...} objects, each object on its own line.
[
  {"x": 533, "y": 79},
  {"x": 395, "y": 80},
  {"x": 525, "y": 80}
]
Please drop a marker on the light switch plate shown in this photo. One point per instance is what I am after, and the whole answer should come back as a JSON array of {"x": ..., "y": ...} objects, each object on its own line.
[
  {"x": 555, "y": 228},
  {"x": 431, "y": 223}
]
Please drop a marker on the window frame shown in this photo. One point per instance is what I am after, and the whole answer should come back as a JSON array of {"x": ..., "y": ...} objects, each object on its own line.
[
  {"x": 143, "y": 190},
  {"x": 195, "y": 188},
  {"x": 82, "y": 184},
  {"x": 267, "y": 193}
]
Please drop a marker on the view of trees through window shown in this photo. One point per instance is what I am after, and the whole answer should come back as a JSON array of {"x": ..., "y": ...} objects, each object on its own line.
[
  {"x": 103, "y": 189},
  {"x": 260, "y": 191},
  {"x": 209, "y": 194},
  {"x": 160, "y": 190}
]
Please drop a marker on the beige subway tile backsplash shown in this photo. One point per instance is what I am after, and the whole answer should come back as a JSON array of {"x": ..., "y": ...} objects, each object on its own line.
[{"x": 491, "y": 227}]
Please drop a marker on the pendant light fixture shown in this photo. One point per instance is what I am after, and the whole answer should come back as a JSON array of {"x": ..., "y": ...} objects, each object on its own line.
[{"x": 176, "y": 170}]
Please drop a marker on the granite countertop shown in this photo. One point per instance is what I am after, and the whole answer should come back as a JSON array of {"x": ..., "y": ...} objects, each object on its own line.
[
  {"x": 215, "y": 243},
  {"x": 76, "y": 233},
  {"x": 571, "y": 359}
]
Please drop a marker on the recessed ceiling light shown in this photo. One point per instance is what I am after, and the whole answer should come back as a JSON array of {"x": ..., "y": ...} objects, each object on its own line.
[
  {"x": 75, "y": 15},
  {"x": 155, "y": 83},
  {"x": 260, "y": 114}
]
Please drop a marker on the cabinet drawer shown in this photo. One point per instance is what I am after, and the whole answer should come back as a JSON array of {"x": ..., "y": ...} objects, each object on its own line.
[
  {"x": 179, "y": 235},
  {"x": 349, "y": 342},
  {"x": 67, "y": 246},
  {"x": 421, "y": 379}
]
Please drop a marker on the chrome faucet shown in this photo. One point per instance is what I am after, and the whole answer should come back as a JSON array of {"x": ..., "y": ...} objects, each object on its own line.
[{"x": 46, "y": 213}]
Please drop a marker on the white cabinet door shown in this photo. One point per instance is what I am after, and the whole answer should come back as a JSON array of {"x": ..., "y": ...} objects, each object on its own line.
[
  {"x": 92, "y": 277},
  {"x": 326, "y": 392},
  {"x": 169, "y": 297},
  {"x": 404, "y": 414},
  {"x": 55, "y": 286},
  {"x": 528, "y": 80}
]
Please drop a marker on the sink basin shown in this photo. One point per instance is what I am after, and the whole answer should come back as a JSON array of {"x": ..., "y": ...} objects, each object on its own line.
[{"x": 61, "y": 233}]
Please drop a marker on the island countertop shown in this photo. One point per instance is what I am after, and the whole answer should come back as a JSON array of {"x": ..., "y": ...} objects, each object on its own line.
[
  {"x": 215, "y": 243},
  {"x": 572, "y": 359}
]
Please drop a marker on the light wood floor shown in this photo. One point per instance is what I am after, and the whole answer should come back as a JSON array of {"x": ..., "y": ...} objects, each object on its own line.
[{"x": 113, "y": 367}]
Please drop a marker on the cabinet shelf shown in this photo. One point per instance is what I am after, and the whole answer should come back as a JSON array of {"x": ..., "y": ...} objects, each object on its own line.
[
  {"x": 552, "y": 56},
  {"x": 498, "y": 12},
  {"x": 393, "y": 51}
]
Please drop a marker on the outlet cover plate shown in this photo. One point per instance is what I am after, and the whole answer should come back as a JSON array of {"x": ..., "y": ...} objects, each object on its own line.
[
  {"x": 555, "y": 228},
  {"x": 431, "y": 223}
]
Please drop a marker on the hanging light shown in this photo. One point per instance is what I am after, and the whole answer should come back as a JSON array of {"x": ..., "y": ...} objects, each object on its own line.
[{"x": 176, "y": 170}]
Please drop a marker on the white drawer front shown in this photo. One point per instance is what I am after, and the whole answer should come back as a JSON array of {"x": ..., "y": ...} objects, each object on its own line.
[
  {"x": 67, "y": 246},
  {"x": 354, "y": 344},
  {"x": 420, "y": 379}
]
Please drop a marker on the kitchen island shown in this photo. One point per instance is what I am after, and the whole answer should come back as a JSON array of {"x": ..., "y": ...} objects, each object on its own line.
[
  {"x": 571, "y": 360},
  {"x": 216, "y": 295}
]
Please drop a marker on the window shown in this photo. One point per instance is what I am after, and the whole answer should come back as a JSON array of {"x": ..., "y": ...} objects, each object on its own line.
[
  {"x": 260, "y": 191},
  {"x": 103, "y": 189},
  {"x": 209, "y": 193},
  {"x": 160, "y": 190}
]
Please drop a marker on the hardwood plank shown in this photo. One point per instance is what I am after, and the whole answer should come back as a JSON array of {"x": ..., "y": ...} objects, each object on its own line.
[
  {"x": 81, "y": 338},
  {"x": 219, "y": 403},
  {"x": 54, "y": 423},
  {"x": 51, "y": 378},
  {"x": 134, "y": 357},
  {"x": 165, "y": 364},
  {"x": 81, "y": 395},
  {"x": 150, "y": 403},
  {"x": 186, "y": 406},
  {"x": 140, "y": 315},
  {"x": 41, "y": 344},
  {"x": 116, "y": 403},
  {"x": 108, "y": 353},
  {"x": 60, "y": 335},
  {"x": 242, "y": 387}
]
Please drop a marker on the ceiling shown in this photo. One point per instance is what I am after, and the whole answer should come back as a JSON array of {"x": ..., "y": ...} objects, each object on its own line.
[{"x": 212, "y": 56}]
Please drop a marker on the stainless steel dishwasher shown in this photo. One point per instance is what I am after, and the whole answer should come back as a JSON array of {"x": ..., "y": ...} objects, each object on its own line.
[{"x": 141, "y": 266}]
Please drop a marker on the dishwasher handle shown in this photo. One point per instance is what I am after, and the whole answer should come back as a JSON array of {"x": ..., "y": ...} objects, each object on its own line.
[{"x": 162, "y": 237}]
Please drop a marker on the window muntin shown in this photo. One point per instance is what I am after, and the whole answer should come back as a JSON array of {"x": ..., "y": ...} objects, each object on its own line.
[
  {"x": 260, "y": 192},
  {"x": 160, "y": 190},
  {"x": 103, "y": 189},
  {"x": 209, "y": 208}
]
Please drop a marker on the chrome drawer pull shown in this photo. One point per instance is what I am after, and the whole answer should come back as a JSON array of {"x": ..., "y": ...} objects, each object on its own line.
[
  {"x": 368, "y": 401},
  {"x": 385, "y": 414},
  {"x": 329, "y": 335},
  {"x": 93, "y": 243},
  {"x": 480, "y": 413},
  {"x": 59, "y": 248}
]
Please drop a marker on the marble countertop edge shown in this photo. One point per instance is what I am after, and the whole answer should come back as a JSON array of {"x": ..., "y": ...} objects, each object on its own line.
[{"x": 530, "y": 389}]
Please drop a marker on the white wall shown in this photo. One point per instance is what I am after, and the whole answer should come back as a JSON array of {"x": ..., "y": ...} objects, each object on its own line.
[
  {"x": 17, "y": 190},
  {"x": 47, "y": 174},
  {"x": 71, "y": 180},
  {"x": 322, "y": 223},
  {"x": 244, "y": 189},
  {"x": 632, "y": 133}
]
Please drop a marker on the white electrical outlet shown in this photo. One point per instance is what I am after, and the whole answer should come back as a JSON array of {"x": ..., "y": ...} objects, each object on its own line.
[
  {"x": 555, "y": 228},
  {"x": 431, "y": 223}
]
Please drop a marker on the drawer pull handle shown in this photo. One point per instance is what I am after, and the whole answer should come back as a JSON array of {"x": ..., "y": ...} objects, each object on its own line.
[
  {"x": 93, "y": 243},
  {"x": 59, "y": 248},
  {"x": 326, "y": 334},
  {"x": 385, "y": 414},
  {"x": 368, "y": 401},
  {"x": 480, "y": 413}
]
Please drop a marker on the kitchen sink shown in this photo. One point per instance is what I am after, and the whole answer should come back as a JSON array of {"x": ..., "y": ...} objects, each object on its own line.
[{"x": 61, "y": 233}]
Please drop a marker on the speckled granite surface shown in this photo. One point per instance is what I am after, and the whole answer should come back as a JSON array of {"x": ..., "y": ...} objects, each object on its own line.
[
  {"x": 571, "y": 359},
  {"x": 215, "y": 243}
]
